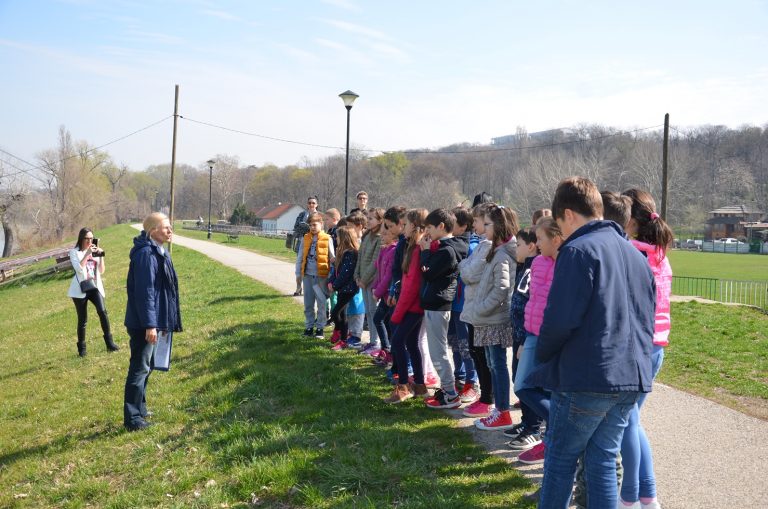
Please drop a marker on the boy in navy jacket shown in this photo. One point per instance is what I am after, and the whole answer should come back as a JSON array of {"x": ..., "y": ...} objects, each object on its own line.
[{"x": 594, "y": 345}]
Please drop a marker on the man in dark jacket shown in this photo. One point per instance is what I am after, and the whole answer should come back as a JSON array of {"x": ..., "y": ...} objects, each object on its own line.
[
  {"x": 441, "y": 253},
  {"x": 594, "y": 346},
  {"x": 152, "y": 307}
]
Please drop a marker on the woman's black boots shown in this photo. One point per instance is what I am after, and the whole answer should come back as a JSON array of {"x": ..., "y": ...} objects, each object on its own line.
[
  {"x": 81, "y": 341},
  {"x": 111, "y": 346}
]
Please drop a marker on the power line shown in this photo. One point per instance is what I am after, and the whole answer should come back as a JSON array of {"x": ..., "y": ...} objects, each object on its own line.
[{"x": 438, "y": 152}]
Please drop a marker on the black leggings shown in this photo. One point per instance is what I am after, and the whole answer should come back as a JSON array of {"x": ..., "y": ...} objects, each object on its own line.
[
  {"x": 481, "y": 366},
  {"x": 339, "y": 314},
  {"x": 81, "y": 305}
]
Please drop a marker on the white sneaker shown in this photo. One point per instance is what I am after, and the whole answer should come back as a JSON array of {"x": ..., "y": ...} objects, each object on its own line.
[
  {"x": 621, "y": 505},
  {"x": 651, "y": 505}
]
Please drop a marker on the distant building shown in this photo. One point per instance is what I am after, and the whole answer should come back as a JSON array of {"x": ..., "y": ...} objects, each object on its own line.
[
  {"x": 277, "y": 217},
  {"x": 538, "y": 138},
  {"x": 733, "y": 221}
]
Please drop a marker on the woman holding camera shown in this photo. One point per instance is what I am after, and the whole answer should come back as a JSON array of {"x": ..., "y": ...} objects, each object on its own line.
[{"x": 88, "y": 261}]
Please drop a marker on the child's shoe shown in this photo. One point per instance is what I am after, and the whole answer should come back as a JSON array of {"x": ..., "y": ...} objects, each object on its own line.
[
  {"x": 653, "y": 504},
  {"x": 420, "y": 391},
  {"x": 498, "y": 420},
  {"x": 308, "y": 332},
  {"x": 627, "y": 505},
  {"x": 478, "y": 409},
  {"x": 468, "y": 393},
  {"x": 525, "y": 440},
  {"x": 336, "y": 336},
  {"x": 339, "y": 345},
  {"x": 319, "y": 333},
  {"x": 432, "y": 381},
  {"x": 354, "y": 342},
  {"x": 443, "y": 400},
  {"x": 533, "y": 455},
  {"x": 400, "y": 394}
]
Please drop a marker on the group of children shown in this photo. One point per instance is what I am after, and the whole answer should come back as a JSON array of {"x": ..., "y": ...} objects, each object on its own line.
[{"x": 450, "y": 295}]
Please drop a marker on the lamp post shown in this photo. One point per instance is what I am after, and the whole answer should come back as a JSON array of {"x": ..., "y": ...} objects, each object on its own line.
[
  {"x": 211, "y": 162},
  {"x": 348, "y": 97}
]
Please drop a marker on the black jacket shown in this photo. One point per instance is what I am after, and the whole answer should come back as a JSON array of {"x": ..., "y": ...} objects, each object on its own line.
[{"x": 440, "y": 270}]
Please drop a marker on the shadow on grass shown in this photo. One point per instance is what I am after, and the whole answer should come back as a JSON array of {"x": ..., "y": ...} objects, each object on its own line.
[
  {"x": 68, "y": 441},
  {"x": 246, "y": 298},
  {"x": 306, "y": 425}
]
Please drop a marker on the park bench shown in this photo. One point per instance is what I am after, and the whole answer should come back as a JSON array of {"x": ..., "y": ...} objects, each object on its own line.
[
  {"x": 62, "y": 263},
  {"x": 233, "y": 237},
  {"x": 6, "y": 274}
]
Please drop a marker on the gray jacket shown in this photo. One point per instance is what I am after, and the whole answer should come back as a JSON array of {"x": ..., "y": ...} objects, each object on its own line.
[
  {"x": 471, "y": 270},
  {"x": 365, "y": 270},
  {"x": 489, "y": 302}
]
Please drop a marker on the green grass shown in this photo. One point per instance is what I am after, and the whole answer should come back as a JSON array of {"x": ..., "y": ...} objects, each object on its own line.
[
  {"x": 719, "y": 352},
  {"x": 748, "y": 267},
  {"x": 249, "y": 413},
  {"x": 262, "y": 245}
]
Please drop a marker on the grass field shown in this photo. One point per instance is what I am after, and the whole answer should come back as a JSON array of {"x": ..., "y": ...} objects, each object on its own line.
[
  {"x": 749, "y": 267},
  {"x": 250, "y": 415},
  {"x": 262, "y": 245}
]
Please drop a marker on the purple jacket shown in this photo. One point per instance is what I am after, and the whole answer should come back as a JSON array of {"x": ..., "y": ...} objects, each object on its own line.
[{"x": 383, "y": 276}]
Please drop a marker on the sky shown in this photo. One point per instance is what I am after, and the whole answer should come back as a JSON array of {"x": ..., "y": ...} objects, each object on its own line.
[{"x": 429, "y": 73}]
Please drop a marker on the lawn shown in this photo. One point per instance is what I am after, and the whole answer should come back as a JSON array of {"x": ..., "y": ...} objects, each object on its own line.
[
  {"x": 748, "y": 267},
  {"x": 262, "y": 245},
  {"x": 251, "y": 414}
]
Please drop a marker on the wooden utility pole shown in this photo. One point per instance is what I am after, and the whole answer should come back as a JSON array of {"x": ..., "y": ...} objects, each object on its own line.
[
  {"x": 665, "y": 168},
  {"x": 173, "y": 158}
]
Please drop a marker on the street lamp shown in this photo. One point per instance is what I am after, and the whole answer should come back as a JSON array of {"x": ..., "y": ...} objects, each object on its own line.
[
  {"x": 348, "y": 97},
  {"x": 210, "y": 162}
]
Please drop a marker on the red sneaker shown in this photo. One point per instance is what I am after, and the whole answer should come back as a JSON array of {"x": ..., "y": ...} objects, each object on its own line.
[
  {"x": 336, "y": 336},
  {"x": 498, "y": 420},
  {"x": 432, "y": 381},
  {"x": 340, "y": 345},
  {"x": 533, "y": 455},
  {"x": 468, "y": 393},
  {"x": 478, "y": 409}
]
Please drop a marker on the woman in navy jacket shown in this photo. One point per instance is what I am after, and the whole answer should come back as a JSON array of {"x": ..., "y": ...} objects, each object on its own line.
[{"x": 153, "y": 305}]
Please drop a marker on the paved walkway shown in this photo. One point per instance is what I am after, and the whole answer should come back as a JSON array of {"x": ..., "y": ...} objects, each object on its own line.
[{"x": 706, "y": 456}]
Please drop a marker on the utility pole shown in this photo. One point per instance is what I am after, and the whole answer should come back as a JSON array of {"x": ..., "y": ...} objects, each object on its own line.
[
  {"x": 173, "y": 159},
  {"x": 665, "y": 168}
]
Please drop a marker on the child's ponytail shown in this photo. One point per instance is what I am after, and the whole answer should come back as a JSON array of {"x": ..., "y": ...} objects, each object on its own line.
[
  {"x": 416, "y": 217},
  {"x": 651, "y": 228}
]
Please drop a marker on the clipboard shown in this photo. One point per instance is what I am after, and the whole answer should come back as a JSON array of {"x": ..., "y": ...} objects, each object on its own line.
[{"x": 162, "y": 358}]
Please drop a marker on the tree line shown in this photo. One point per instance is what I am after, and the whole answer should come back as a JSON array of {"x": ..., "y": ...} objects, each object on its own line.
[{"x": 74, "y": 185}]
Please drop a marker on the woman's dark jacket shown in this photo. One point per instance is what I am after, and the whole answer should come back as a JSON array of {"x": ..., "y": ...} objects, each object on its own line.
[{"x": 153, "y": 289}]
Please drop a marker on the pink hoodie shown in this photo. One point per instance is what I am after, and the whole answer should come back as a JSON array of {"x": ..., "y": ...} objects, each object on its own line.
[
  {"x": 542, "y": 271},
  {"x": 662, "y": 273},
  {"x": 383, "y": 266}
]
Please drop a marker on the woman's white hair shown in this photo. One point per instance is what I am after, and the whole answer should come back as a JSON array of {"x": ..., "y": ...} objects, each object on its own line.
[{"x": 154, "y": 221}]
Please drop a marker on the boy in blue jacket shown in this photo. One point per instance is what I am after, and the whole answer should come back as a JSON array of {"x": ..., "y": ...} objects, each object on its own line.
[{"x": 594, "y": 346}]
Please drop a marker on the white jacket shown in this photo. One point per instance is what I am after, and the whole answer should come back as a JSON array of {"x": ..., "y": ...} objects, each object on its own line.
[{"x": 75, "y": 257}]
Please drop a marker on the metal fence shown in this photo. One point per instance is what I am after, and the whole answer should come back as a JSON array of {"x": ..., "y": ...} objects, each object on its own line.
[{"x": 751, "y": 293}]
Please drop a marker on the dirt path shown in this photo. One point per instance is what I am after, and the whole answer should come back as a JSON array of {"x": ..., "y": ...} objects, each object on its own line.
[{"x": 706, "y": 455}]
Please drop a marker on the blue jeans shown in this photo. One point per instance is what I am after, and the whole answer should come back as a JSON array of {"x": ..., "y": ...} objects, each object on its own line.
[
  {"x": 381, "y": 323},
  {"x": 405, "y": 347},
  {"x": 584, "y": 422},
  {"x": 528, "y": 417},
  {"x": 636, "y": 457},
  {"x": 500, "y": 376},
  {"x": 458, "y": 340},
  {"x": 139, "y": 368}
]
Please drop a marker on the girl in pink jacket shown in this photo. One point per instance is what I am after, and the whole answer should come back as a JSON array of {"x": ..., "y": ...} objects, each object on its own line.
[
  {"x": 652, "y": 236},
  {"x": 380, "y": 288}
]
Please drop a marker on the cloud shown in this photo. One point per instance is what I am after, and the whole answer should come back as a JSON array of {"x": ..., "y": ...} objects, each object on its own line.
[
  {"x": 227, "y": 16},
  {"x": 351, "y": 54},
  {"x": 153, "y": 37},
  {"x": 343, "y": 4},
  {"x": 357, "y": 29}
]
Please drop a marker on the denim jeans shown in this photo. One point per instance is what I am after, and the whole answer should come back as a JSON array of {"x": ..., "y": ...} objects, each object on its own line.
[
  {"x": 371, "y": 303},
  {"x": 381, "y": 323},
  {"x": 636, "y": 456},
  {"x": 458, "y": 340},
  {"x": 314, "y": 298},
  {"x": 590, "y": 423},
  {"x": 528, "y": 417},
  {"x": 405, "y": 347},
  {"x": 497, "y": 362},
  {"x": 139, "y": 369}
]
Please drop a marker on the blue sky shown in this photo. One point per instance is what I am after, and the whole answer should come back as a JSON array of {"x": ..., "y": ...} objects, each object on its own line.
[{"x": 428, "y": 73}]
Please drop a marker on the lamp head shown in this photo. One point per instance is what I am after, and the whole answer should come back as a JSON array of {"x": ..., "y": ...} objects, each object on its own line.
[{"x": 348, "y": 97}]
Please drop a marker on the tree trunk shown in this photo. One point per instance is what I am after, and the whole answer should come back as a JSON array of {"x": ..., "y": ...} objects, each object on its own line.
[{"x": 9, "y": 239}]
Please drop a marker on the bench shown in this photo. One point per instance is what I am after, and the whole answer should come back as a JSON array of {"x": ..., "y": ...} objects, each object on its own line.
[
  {"x": 6, "y": 274},
  {"x": 233, "y": 237}
]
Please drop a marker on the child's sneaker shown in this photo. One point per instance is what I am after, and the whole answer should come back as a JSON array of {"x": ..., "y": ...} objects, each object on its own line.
[
  {"x": 308, "y": 332},
  {"x": 354, "y": 342},
  {"x": 653, "y": 504},
  {"x": 478, "y": 409},
  {"x": 372, "y": 351},
  {"x": 634, "y": 505},
  {"x": 443, "y": 400},
  {"x": 400, "y": 394},
  {"x": 339, "y": 345},
  {"x": 319, "y": 333},
  {"x": 420, "y": 391},
  {"x": 524, "y": 440},
  {"x": 336, "y": 336},
  {"x": 468, "y": 393},
  {"x": 432, "y": 381},
  {"x": 498, "y": 420},
  {"x": 534, "y": 455},
  {"x": 514, "y": 430}
]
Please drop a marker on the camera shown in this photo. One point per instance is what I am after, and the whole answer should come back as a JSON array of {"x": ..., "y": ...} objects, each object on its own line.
[{"x": 100, "y": 253}]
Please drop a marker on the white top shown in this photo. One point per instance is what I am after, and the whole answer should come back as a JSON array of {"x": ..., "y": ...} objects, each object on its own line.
[{"x": 75, "y": 257}]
